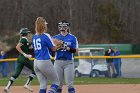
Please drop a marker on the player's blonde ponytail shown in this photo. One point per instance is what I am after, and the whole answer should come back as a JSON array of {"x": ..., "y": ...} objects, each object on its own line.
[{"x": 40, "y": 25}]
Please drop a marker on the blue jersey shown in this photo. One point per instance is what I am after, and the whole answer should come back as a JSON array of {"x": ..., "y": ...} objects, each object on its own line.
[
  {"x": 42, "y": 45},
  {"x": 117, "y": 60},
  {"x": 70, "y": 41}
]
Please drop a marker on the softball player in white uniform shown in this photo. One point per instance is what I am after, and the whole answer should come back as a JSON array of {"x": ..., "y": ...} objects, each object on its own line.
[
  {"x": 64, "y": 61},
  {"x": 43, "y": 45}
]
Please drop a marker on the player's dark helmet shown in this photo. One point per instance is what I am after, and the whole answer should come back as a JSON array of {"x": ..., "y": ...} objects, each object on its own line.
[
  {"x": 63, "y": 26},
  {"x": 24, "y": 31}
]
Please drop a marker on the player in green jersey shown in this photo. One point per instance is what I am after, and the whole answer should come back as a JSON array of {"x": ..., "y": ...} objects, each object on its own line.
[{"x": 22, "y": 60}]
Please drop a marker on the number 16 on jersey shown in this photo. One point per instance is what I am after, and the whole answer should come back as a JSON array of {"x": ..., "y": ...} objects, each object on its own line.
[{"x": 37, "y": 44}]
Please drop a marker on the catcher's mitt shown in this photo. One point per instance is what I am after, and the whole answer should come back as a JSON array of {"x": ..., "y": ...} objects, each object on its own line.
[{"x": 58, "y": 43}]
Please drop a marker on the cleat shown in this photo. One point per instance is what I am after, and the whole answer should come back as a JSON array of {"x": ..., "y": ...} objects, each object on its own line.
[
  {"x": 6, "y": 90},
  {"x": 28, "y": 87}
]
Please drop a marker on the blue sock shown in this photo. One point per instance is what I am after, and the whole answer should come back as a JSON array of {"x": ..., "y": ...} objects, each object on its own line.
[
  {"x": 42, "y": 91},
  {"x": 54, "y": 87}
]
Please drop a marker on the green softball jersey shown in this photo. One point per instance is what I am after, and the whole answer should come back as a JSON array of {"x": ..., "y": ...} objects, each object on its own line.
[
  {"x": 25, "y": 49},
  {"x": 25, "y": 45}
]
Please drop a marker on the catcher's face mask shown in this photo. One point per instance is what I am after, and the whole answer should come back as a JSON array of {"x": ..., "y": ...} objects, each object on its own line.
[{"x": 63, "y": 26}]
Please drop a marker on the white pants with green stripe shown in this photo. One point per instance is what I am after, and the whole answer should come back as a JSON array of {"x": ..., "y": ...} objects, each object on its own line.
[{"x": 65, "y": 69}]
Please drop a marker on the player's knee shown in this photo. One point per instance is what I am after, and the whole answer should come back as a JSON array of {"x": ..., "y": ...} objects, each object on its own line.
[
  {"x": 12, "y": 78},
  {"x": 71, "y": 90},
  {"x": 32, "y": 75}
]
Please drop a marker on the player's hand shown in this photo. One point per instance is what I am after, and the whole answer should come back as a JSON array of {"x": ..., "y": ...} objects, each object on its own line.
[
  {"x": 67, "y": 48},
  {"x": 27, "y": 55}
]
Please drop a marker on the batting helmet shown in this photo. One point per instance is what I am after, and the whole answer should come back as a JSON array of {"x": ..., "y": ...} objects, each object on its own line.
[{"x": 24, "y": 31}]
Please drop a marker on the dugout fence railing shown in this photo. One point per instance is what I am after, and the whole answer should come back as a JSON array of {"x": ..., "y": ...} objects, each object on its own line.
[
  {"x": 80, "y": 57},
  {"x": 130, "y": 64}
]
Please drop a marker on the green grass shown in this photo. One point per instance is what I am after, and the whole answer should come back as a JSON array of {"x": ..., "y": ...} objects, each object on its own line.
[
  {"x": 82, "y": 80},
  {"x": 18, "y": 81},
  {"x": 86, "y": 80}
]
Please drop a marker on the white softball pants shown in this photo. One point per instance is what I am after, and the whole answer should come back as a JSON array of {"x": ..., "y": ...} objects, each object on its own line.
[
  {"x": 45, "y": 71},
  {"x": 65, "y": 69}
]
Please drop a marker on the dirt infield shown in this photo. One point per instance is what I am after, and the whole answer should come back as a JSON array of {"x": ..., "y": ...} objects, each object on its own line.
[{"x": 95, "y": 88}]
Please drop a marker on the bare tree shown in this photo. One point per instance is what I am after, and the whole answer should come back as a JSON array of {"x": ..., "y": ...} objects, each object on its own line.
[{"x": 83, "y": 15}]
